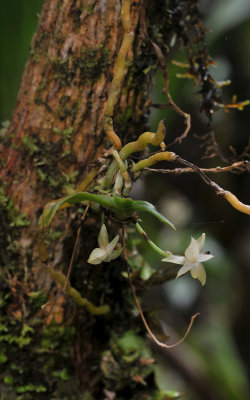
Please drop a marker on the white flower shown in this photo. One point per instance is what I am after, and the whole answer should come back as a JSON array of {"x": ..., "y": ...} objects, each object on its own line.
[
  {"x": 192, "y": 259},
  {"x": 107, "y": 251}
]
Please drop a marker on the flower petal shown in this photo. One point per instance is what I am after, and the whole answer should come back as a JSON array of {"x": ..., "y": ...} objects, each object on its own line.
[
  {"x": 199, "y": 272},
  {"x": 115, "y": 253},
  {"x": 183, "y": 270},
  {"x": 201, "y": 241},
  {"x": 97, "y": 256},
  {"x": 204, "y": 257},
  {"x": 173, "y": 259},
  {"x": 103, "y": 238},
  {"x": 192, "y": 251},
  {"x": 110, "y": 247}
]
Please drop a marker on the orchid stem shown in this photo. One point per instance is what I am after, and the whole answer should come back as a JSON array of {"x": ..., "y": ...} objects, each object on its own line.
[{"x": 151, "y": 244}]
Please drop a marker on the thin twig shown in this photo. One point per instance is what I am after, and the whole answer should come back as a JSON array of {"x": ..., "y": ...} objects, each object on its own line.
[
  {"x": 71, "y": 260},
  {"x": 75, "y": 246},
  {"x": 230, "y": 197},
  {"x": 151, "y": 334},
  {"x": 236, "y": 167},
  {"x": 171, "y": 103}
]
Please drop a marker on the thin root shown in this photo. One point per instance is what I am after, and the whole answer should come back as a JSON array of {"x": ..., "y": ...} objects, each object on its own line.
[
  {"x": 71, "y": 262},
  {"x": 151, "y": 334}
]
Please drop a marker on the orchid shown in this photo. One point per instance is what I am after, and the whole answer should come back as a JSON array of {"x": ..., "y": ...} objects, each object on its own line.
[
  {"x": 107, "y": 251},
  {"x": 192, "y": 259}
]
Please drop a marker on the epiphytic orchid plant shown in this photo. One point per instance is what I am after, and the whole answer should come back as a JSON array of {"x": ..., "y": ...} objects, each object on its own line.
[{"x": 109, "y": 189}]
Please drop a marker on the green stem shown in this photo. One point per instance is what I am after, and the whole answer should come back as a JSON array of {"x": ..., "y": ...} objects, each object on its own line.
[
  {"x": 156, "y": 139},
  {"x": 165, "y": 155},
  {"x": 120, "y": 69},
  {"x": 144, "y": 139},
  {"x": 151, "y": 244},
  {"x": 75, "y": 295}
]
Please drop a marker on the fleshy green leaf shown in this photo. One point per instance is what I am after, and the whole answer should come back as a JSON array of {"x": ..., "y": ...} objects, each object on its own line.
[
  {"x": 146, "y": 271},
  {"x": 168, "y": 395},
  {"x": 145, "y": 206},
  {"x": 51, "y": 208},
  {"x": 121, "y": 207}
]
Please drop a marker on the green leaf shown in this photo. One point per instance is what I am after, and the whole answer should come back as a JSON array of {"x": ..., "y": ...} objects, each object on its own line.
[
  {"x": 31, "y": 388},
  {"x": 146, "y": 271},
  {"x": 51, "y": 208},
  {"x": 131, "y": 341},
  {"x": 63, "y": 374},
  {"x": 3, "y": 328},
  {"x": 121, "y": 207},
  {"x": 168, "y": 395},
  {"x": 3, "y": 358},
  {"x": 9, "y": 380},
  {"x": 145, "y": 206}
]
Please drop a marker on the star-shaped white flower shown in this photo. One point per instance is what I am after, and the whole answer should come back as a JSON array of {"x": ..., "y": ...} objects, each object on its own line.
[
  {"x": 192, "y": 259},
  {"x": 107, "y": 251}
]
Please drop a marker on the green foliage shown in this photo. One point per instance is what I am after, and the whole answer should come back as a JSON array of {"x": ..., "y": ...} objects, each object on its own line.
[
  {"x": 3, "y": 357},
  {"x": 167, "y": 395},
  {"x": 123, "y": 208},
  {"x": 22, "y": 339},
  {"x": 131, "y": 343},
  {"x": 63, "y": 374},
  {"x": 31, "y": 388},
  {"x": 37, "y": 299},
  {"x": 138, "y": 263},
  {"x": 127, "y": 363}
]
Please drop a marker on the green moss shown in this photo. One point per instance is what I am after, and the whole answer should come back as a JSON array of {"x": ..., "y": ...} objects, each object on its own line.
[
  {"x": 65, "y": 134},
  {"x": 47, "y": 158},
  {"x": 10, "y": 213},
  {"x": 32, "y": 354},
  {"x": 39, "y": 45},
  {"x": 29, "y": 353},
  {"x": 91, "y": 64},
  {"x": 29, "y": 144}
]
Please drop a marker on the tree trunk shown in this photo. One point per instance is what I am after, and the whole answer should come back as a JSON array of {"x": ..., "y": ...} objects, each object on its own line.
[{"x": 54, "y": 139}]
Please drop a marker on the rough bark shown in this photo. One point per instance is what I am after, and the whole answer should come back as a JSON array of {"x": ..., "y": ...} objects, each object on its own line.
[
  {"x": 55, "y": 137},
  {"x": 64, "y": 89}
]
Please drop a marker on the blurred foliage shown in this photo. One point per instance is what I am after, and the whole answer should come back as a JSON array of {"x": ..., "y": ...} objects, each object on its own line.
[
  {"x": 215, "y": 360},
  {"x": 18, "y": 22}
]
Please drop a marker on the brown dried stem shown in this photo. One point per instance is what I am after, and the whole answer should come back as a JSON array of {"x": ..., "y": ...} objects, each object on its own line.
[
  {"x": 66, "y": 279},
  {"x": 151, "y": 334},
  {"x": 171, "y": 103},
  {"x": 230, "y": 197},
  {"x": 236, "y": 167},
  {"x": 75, "y": 246}
]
